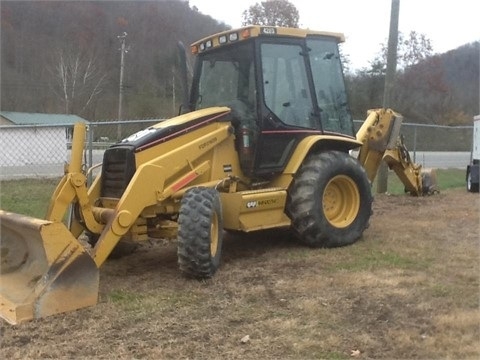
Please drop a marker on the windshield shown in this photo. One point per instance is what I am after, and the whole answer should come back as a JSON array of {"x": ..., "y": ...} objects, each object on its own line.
[
  {"x": 227, "y": 78},
  {"x": 329, "y": 85}
]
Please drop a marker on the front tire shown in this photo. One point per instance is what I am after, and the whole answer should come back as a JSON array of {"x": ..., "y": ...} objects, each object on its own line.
[
  {"x": 200, "y": 232},
  {"x": 330, "y": 200}
]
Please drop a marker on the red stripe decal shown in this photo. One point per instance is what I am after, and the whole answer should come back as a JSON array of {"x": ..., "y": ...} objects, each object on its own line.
[
  {"x": 270, "y": 132},
  {"x": 291, "y": 132},
  {"x": 183, "y": 182}
]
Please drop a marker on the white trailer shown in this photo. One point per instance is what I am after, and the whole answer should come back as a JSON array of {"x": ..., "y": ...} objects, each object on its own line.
[{"x": 473, "y": 169}]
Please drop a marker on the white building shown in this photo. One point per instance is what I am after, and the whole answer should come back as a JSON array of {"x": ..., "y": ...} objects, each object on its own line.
[{"x": 34, "y": 141}]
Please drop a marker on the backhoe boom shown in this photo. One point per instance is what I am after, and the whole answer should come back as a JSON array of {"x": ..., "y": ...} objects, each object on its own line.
[{"x": 380, "y": 137}]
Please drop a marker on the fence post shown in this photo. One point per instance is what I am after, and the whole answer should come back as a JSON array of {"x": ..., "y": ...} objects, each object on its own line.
[{"x": 415, "y": 144}]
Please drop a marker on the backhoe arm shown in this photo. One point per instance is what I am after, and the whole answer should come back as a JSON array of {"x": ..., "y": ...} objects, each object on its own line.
[{"x": 379, "y": 135}]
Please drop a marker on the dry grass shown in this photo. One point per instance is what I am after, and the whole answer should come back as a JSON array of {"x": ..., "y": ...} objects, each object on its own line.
[{"x": 408, "y": 290}]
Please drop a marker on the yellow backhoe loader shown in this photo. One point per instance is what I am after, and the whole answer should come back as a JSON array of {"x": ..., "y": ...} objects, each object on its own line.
[{"x": 263, "y": 141}]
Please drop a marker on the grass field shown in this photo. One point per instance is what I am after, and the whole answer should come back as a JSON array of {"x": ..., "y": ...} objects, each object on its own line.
[
  {"x": 409, "y": 289},
  {"x": 27, "y": 196},
  {"x": 31, "y": 196}
]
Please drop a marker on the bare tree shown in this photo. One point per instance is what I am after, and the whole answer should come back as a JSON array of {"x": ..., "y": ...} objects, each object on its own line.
[
  {"x": 412, "y": 49},
  {"x": 416, "y": 47},
  {"x": 272, "y": 13},
  {"x": 77, "y": 80}
]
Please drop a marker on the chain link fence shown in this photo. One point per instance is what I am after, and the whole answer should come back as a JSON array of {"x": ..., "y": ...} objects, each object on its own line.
[
  {"x": 31, "y": 151},
  {"x": 43, "y": 151}
]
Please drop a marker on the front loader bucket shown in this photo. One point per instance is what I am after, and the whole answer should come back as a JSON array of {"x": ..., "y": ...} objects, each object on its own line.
[{"x": 44, "y": 269}]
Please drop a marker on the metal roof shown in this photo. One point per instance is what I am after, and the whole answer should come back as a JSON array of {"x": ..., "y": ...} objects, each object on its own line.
[{"x": 20, "y": 118}]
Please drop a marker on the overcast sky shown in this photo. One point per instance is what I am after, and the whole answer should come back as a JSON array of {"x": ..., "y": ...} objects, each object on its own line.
[{"x": 447, "y": 23}]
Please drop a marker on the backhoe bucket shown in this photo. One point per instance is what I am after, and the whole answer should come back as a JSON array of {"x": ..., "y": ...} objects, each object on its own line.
[
  {"x": 44, "y": 269},
  {"x": 429, "y": 181}
]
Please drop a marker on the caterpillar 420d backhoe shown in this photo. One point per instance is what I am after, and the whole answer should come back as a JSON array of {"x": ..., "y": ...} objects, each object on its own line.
[{"x": 263, "y": 141}]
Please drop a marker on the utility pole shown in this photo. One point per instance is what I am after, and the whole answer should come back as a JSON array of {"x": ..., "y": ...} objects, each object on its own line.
[
  {"x": 382, "y": 186},
  {"x": 123, "y": 51},
  {"x": 173, "y": 91}
]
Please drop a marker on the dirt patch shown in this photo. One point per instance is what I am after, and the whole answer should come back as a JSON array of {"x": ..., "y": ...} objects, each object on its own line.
[{"x": 408, "y": 290}]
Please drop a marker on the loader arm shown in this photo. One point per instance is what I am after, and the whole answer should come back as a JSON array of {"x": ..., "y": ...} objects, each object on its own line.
[
  {"x": 380, "y": 140},
  {"x": 65, "y": 192},
  {"x": 156, "y": 181},
  {"x": 73, "y": 187}
]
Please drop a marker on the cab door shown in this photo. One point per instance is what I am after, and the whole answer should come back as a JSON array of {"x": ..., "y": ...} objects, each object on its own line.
[{"x": 287, "y": 106}]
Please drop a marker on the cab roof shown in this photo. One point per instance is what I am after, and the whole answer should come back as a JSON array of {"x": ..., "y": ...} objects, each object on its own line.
[{"x": 230, "y": 36}]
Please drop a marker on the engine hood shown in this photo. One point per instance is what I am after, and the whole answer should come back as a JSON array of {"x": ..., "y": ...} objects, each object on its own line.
[{"x": 173, "y": 127}]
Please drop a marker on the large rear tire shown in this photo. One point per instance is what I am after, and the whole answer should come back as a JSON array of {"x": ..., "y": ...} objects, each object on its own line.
[
  {"x": 200, "y": 232},
  {"x": 330, "y": 200}
]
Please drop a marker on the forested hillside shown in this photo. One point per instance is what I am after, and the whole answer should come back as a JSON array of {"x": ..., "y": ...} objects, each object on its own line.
[
  {"x": 441, "y": 89},
  {"x": 46, "y": 45},
  {"x": 63, "y": 57}
]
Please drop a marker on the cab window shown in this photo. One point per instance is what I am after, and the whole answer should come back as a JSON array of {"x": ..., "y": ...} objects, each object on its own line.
[{"x": 285, "y": 85}]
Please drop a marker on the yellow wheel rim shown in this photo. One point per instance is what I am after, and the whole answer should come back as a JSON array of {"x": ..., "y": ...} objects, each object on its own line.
[
  {"x": 341, "y": 201},
  {"x": 214, "y": 235}
]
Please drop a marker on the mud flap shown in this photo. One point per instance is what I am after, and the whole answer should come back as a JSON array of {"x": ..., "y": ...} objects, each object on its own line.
[{"x": 44, "y": 269}]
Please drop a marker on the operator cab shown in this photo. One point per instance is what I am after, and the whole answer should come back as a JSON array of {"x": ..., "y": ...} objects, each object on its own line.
[{"x": 282, "y": 84}]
